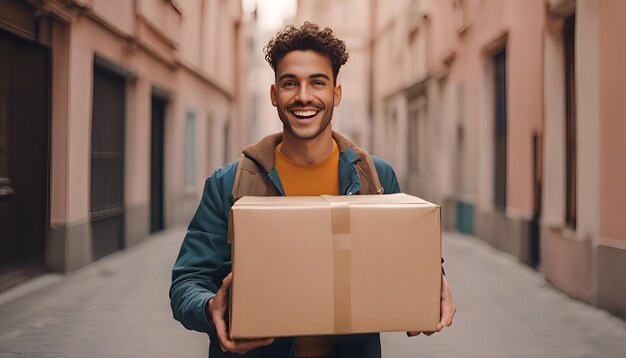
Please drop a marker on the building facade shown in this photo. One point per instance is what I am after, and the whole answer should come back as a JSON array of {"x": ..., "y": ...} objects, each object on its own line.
[
  {"x": 263, "y": 119},
  {"x": 113, "y": 113},
  {"x": 582, "y": 231},
  {"x": 507, "y": 113},
  {"x": 349, "y": 20}
]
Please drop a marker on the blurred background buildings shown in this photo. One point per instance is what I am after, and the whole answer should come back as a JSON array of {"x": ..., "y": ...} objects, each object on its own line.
[
  {"x": 112, "y": 114},
  {"x": 507, "y": 112}
]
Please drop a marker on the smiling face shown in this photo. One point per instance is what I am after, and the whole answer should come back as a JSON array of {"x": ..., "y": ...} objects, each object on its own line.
[{"x": 304, "y": 94}]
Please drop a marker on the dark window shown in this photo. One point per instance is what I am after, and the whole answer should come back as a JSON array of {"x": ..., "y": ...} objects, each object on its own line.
[
  {"x": 570, "y": 121},
  {"x": 500, "y": 147}
]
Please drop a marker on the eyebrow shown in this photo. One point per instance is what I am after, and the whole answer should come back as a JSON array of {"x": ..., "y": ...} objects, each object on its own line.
[{"x": 315, "y": 75}]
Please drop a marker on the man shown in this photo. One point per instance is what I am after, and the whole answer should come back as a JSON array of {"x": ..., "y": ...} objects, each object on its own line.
[{"x": 307, "y": 158}]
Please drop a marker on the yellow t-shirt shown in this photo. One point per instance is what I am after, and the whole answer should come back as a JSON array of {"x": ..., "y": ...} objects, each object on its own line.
[{"x": 310, "y": 180}]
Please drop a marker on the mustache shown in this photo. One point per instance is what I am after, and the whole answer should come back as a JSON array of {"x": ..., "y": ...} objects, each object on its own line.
[{"x": 296, "y": 105}]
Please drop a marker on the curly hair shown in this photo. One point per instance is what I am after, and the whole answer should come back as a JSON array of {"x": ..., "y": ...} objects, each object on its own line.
[{"x": 308, "y": 37}]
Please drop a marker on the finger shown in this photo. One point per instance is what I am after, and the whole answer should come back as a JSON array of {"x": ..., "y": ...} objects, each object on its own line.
[
  {"x": 413, "y": 333},
  {"x": 445, "y": 322},
  {"x": 222, "y": 332},
  {"x": 227, "y": 344},
  {"x": 244, "y": 346},
  {"x": 227, "y": 280},
  {"x": 240, "y": 345},
  {"x": 428, "y": 333},
  {"x": 453, "y": 312},
  {"x": 447, "y": 314}
]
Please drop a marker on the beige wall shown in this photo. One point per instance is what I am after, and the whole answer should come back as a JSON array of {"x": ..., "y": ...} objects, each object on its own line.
[
  {"x": 60, "y": 121},
  {"x": 553, "y": 200},
  {"x": 525, "y": 96},
  {"x": 174, "y": 48},
  {"x": 119, "y": 13},
  {"x": 491, "y": 26},
  {"x": 588, "y": 261},
  {"x": 612, "y": 124},
  {"x": 457, "y": 67},
  {"x": 588, "y": 84}
]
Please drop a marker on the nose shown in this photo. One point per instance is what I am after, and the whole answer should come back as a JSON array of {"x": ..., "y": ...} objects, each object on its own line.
[{"x": 304, "y": 95}]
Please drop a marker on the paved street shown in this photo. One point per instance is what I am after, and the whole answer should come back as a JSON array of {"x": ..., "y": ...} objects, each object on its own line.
[
  {"x": 505, "y": 309},
  {"x": 118, "y": 307}
]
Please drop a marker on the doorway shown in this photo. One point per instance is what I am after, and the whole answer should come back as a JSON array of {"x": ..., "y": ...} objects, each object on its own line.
[
  {"x": 24, "y": 157},
  {"x": 156, "y": 163},
  {"x": 107, "y": 162}
]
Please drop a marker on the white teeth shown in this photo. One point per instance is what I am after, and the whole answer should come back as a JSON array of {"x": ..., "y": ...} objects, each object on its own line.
[{"x": 305, "y": 113}]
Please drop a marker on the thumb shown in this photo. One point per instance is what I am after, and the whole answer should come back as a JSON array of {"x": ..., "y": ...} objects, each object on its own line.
[{"x": 227, "y": 281}]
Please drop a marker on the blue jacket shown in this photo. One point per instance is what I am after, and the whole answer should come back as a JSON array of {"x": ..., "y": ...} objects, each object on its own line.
[{"x": 205, "y": 256}]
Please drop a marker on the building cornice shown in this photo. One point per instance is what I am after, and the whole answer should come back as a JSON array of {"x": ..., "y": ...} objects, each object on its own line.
[
  {"x": 67, "y": 10},
  {"x": 205, "y": 79}
]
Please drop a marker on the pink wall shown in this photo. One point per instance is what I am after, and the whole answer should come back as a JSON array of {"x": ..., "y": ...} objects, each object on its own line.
[
  {"x": 524, "y": 23},
  {"x": 612, "y": 123},
  {"x": 525, "y": 97}
]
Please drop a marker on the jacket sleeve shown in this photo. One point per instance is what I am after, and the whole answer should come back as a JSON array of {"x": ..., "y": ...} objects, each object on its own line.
[
  {"x": 205, "y": 257},
  {"x": 387, "y": 176}
]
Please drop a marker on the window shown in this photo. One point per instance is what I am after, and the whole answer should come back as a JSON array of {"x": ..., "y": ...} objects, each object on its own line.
[
  {"x": 500, "y": 132},
  {"x": 190, "y": 150},
  {"x": 570, "y": 121}
]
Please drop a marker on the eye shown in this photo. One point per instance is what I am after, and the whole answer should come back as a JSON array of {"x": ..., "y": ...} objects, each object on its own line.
[
  {"x": 289, "y": 84},
  {"x": 318, "y": 83}
]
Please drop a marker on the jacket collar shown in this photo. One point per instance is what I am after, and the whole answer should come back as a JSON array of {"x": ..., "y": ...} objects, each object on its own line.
[{"x": 262, "y": 152}]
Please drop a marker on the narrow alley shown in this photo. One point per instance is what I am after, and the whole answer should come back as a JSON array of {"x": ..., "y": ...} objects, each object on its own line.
[{"x": 118, "y": 307}]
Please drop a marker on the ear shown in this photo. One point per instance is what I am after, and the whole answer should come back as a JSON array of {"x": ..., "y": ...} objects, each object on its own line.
[
  {"x": 273, "y": 95},
  {"x": 337, "y": 94}
]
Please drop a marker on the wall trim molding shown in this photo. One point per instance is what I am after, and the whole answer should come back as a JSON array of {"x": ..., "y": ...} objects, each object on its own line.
[{"x": 616, "y": 244}]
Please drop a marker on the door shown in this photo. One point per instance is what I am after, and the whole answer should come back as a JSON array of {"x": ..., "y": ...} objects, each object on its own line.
[
  {"x": 24, "y": 153},
  {"x": 534, "y": 239},
  {"x": 156, "y": 164},
  {"x": 107, "y": 162}
]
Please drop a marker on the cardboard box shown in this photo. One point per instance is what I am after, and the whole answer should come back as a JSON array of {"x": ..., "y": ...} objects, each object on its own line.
[{"x": 334, "y": 265}]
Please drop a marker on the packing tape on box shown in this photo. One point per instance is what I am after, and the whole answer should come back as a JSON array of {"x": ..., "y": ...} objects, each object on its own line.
[{"x": 342, "y": 245}]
